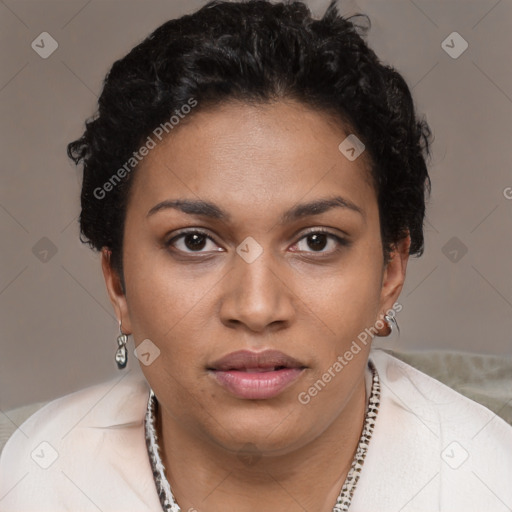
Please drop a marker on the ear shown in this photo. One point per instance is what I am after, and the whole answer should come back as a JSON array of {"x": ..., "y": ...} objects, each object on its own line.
[
  {"x": 115, "y": 290},
  {"x": 394, "y": 275}
]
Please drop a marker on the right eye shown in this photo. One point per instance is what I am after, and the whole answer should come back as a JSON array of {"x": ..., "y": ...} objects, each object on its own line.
[{"x": 194, "y": 240}]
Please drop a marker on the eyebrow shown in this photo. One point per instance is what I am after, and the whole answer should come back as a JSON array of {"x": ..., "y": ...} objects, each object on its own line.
[{"x": 211, "y": 210}]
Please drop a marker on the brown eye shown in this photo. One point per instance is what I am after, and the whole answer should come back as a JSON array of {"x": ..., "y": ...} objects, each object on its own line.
[
  {"x": 191, "y": 241},
  {"x": 194, "y": 241},
  {"x": 317, "y": 241}
]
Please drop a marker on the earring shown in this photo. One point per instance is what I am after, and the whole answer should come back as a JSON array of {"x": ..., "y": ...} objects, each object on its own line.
[
  {"x": 393, "y": 324},
  {"x": 121, "y": 352}
]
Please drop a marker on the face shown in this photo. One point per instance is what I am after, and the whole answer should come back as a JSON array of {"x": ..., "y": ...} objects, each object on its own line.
[{"x": 251, "y": 264}]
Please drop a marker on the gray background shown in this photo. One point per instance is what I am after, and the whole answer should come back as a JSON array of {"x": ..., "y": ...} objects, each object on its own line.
[{"x": 57, "y": 327}]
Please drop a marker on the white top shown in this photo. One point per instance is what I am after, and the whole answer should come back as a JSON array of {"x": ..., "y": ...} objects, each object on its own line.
[{"x": 432, "y": 450}]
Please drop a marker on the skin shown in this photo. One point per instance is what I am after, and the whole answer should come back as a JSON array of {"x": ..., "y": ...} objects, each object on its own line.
[{"x": 309, "y": 301}]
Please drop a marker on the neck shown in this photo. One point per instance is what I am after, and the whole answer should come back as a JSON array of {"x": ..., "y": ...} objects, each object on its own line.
[{"x": 207, "y": 478}]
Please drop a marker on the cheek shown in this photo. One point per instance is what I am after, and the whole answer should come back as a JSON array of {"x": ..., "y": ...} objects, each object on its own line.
[
  {"x": 170, "y": 304},
  {"x": 346, "y": 301},
  {"x": 162, "y": 309},
  {"x": 160, "y": 293}
]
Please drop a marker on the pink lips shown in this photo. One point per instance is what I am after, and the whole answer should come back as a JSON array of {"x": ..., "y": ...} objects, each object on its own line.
[{"x": 256, "y": 375}]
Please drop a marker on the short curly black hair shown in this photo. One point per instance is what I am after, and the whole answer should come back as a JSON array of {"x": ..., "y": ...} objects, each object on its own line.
[{"x": 255, "y": 51}]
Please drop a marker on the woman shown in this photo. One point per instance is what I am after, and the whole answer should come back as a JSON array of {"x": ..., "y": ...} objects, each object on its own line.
[{"x": 255, "y": 180}]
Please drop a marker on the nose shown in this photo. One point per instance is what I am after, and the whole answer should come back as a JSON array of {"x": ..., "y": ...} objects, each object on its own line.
[{"x": 257, "y": 295}]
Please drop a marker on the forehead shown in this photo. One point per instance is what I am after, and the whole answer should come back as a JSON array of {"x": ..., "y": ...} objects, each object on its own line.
[{"x": 266, "y": 154}]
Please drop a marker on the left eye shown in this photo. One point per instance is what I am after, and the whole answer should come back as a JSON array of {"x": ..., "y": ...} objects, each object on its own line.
[{"x": 318, "y": 240}]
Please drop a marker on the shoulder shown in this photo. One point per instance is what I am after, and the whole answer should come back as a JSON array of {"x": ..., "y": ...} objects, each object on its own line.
[
  {"x": 435, "y": 439},
  {"x": 71, "y": 436},
  {"x": 434, "y": 401},
  {"x": 106, "y": 404}
]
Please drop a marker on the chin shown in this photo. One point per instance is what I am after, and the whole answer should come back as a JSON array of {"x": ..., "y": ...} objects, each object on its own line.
[{"x": 264, "y": 432}]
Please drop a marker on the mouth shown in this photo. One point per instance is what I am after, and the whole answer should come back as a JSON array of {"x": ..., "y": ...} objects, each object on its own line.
[{"x": 256, "y": 375}]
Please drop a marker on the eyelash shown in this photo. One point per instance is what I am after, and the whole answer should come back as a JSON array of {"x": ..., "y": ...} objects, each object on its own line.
[{"x": 342, "y": 242}]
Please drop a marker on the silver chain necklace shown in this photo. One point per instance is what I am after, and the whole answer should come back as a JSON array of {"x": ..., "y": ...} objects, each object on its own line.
[{"x": 344, "y": 499}]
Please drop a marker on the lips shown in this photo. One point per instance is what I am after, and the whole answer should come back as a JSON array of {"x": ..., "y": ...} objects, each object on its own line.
[{"x": 256, "y": 375}]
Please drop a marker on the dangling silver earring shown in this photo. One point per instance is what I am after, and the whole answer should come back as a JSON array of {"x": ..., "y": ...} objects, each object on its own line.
[
  {"x": 121, "y": 352},
  {"x": 393, "y": 324}
]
